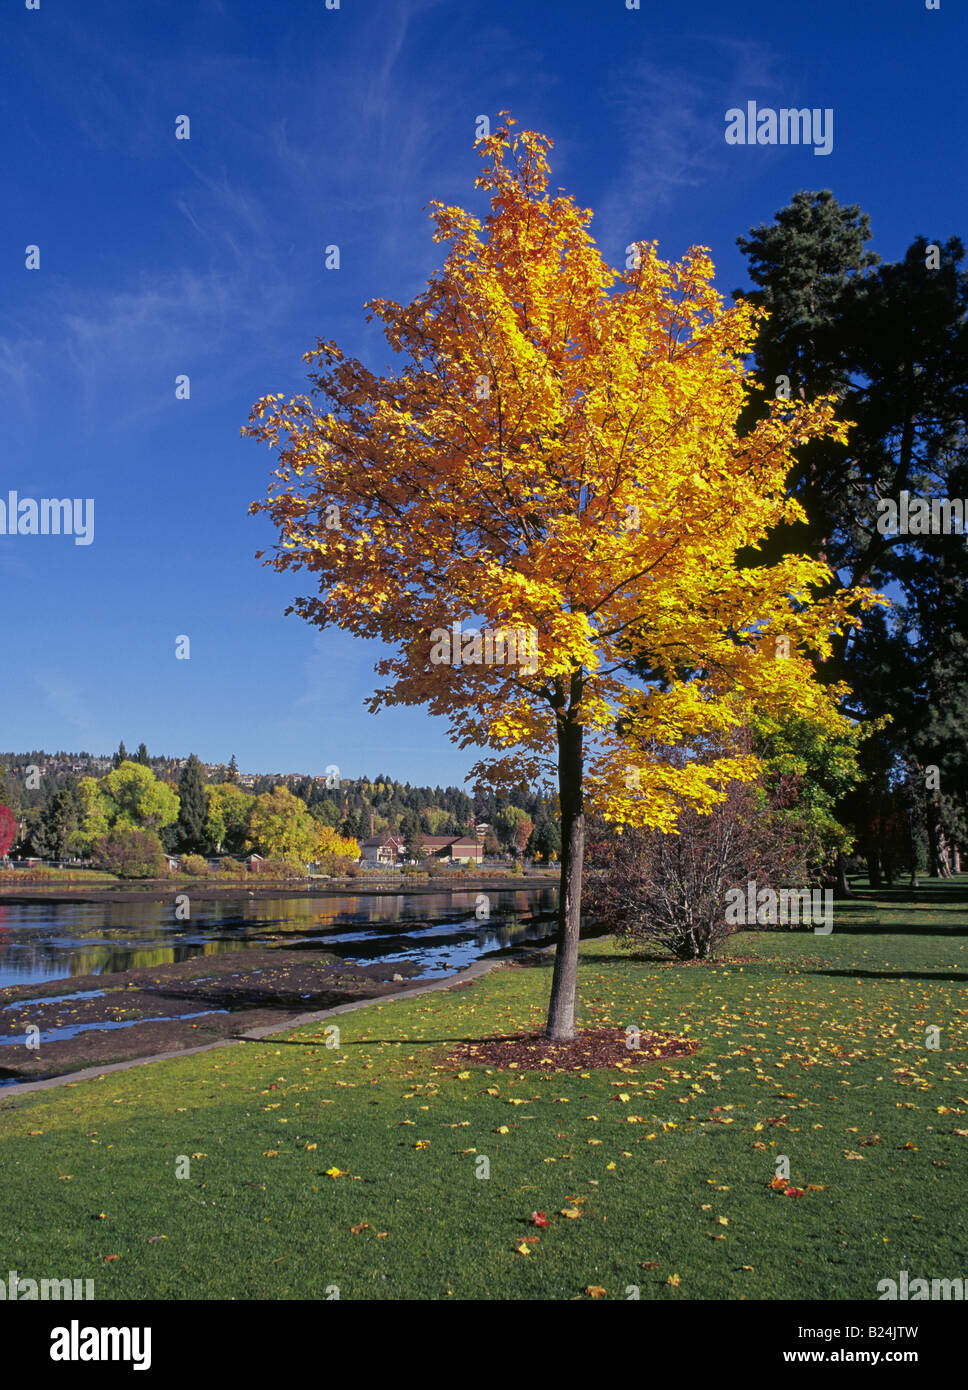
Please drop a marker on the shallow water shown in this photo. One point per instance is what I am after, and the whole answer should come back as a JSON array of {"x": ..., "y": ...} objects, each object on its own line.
[
  {"x": 437, "y": 932},
  {"x": 73, "y": 1030}
]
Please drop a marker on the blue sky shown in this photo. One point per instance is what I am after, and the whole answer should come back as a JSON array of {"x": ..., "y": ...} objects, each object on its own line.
[{"x": 312, "y": 126}]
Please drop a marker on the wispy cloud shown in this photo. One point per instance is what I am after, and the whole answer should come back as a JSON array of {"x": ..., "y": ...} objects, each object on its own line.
[{"x": 670, "y": 119}]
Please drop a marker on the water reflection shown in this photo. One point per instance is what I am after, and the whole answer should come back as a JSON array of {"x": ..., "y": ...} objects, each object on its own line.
[{"x": 439, "y": 932}]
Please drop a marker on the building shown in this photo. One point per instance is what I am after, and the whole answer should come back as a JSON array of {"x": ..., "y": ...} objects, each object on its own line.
[
  {"x": 465, "y": 849},
  {"x": 382, "y": 850},
  {"x": 388, "y": 850}
]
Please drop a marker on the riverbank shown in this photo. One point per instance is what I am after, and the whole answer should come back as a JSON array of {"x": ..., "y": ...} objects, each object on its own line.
[
  {"x": 97, "y": 1020},
  {"x": 204, "y": 890},
  {"x": 64, "y": 1024}
]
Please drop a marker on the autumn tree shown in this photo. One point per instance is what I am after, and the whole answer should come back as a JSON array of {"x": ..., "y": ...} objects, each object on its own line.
[
  {"x": 227, "y": 809},
  {"x": 333, "y": 851},
  {"x": 130, "y": 795},
  {"x": 558, "y": 461},
  {"x": 279, "y": 826}
]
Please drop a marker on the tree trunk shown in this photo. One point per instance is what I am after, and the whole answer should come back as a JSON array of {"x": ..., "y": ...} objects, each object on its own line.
[
  {"x": 873, "y": 868},
  {"x": 934, "y": 866},
  {"x": 564, "y": 984},
  {"x": 842, "y": 888}
]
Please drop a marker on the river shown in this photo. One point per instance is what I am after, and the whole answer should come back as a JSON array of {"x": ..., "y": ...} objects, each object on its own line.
[{"x": 439, "y": 932}]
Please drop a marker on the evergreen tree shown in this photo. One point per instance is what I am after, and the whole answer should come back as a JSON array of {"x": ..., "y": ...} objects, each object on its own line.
[
  {"x": 54, "y": 835},
  {"x": 193, "y": 808},
  {"x": 121, "y": 756},
  {"x": 412, "y": 835},
  {"x": 892, "y": 343},
  {"x": 545, "y": 838}
]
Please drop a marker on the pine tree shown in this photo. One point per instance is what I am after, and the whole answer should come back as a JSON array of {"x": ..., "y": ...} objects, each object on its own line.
[
  {"x": 193, "y": 808},
  {"x": 412, "y": 835}
]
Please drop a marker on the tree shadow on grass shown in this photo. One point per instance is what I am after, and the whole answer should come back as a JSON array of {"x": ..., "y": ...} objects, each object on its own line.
[
  {"x": 849, "y": 928},
  {"x": 380, "y": 1042},
  {"x": 894, "y": 975}
]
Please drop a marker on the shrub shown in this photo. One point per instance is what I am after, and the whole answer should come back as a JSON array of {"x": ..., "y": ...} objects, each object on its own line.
[
  {"x": 195, "y": 865},
  {"x": 281, "y": 868},
  {"x": 232, "y": 868},
  {"x": 131, "y": 853},
  {"x": 670, "y": 889}
]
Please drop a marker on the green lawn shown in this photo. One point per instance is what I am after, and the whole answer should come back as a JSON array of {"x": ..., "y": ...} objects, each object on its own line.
[{"x": 815, "y": 1050}]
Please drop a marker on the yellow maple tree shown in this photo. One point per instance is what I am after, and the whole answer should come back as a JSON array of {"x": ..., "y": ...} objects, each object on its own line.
[
  {"x": 331, "y": 847},
  {"x": 551, "y": 492}
]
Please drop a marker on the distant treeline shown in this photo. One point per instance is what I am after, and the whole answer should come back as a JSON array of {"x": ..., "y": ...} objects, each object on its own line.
[{"x": 61, "y": 799}]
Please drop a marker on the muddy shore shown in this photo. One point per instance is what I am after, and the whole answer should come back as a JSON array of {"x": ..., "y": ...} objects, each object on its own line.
[{"x": 168, "y": 1008}]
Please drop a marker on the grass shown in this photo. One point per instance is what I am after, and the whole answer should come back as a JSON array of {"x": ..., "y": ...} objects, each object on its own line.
[
  {"x": 814, "y": 1050},
  {"x": 40, "y": 874}
]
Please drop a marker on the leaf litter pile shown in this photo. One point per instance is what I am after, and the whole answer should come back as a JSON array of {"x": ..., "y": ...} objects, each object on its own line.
[{"x": 590, "y": 1048}]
